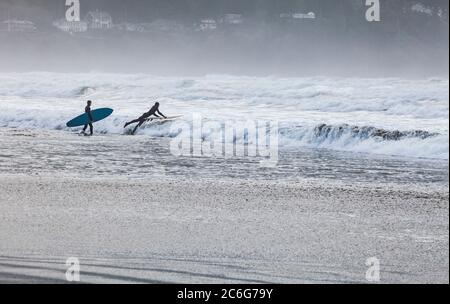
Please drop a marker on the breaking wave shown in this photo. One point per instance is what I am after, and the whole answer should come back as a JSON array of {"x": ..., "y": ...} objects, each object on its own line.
[
  {"x": 383, "y": 116},
  {"x": 324, "y": 132},
  {"x": 368, "y": 139},
  {"x": 344, "y": 137},
  {"x": 84, "y": 91}
]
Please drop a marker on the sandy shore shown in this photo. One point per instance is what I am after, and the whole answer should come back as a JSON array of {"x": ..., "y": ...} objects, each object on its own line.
[{"x": 182, "y": 231}]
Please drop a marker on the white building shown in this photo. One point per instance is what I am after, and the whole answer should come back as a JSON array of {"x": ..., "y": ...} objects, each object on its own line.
[
  {"x": 71, "y": 26},
  {"x": 99, "y": 20},
  {"x": 207, "y": 25},
  {"x": 164, "y": 25},
  {"x": 309, "y": 15},
  {"x": 160, "y": 25},
  {"x": 232, "y": 19},
  {"x": 18, "y": 26},
  {"x": 420, "y": 8},
  {"x": 130, "y": 27}
]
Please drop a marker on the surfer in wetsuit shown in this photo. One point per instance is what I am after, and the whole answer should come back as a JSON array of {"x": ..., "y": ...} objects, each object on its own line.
[
  {"x": 87, "y": 110},
  {"x": 140, "y": 121}
]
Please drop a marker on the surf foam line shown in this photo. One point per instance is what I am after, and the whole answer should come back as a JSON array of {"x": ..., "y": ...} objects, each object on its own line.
[{"x": 343, "y": 137}]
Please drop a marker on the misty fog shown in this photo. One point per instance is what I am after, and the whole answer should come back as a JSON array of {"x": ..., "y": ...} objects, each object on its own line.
[{"x": 262, "y": 37}]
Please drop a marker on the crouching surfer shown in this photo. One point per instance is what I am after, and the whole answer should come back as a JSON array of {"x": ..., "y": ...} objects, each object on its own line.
[
  {"x": 144, "y": 117},
  {"x": 88, "y": 112}
]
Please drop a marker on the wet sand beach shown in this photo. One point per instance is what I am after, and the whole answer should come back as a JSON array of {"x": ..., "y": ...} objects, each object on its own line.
[{"x": 182, "y": 231}]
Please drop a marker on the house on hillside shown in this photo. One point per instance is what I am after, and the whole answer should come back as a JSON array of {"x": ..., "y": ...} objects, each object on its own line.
[
  {"x": 232, "y": 19},
  {"x": 309, "y": 15},
  {"x": 160, "y": 25},
  {"x": 130, "y": 27},
  {"x": 297, "y": 16},
  {"x": 18, "y": 26},
  {"x": 420, "y": 8},
  {"x": 98, "y": 20},
  {"x": 206, "y": 25},
  {"x": 71, "y": 26},
  {"x": 164, "y": 25}
]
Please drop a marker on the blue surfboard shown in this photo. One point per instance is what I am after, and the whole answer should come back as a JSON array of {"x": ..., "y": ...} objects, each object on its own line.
[{"x": 83, "y": 119}]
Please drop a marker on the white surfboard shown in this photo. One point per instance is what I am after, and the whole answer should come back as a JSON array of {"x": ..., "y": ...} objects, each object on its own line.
[{"x": 162, "y": 119}]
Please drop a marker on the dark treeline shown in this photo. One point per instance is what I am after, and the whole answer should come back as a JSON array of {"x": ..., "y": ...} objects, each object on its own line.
[
  {"x": 332, "y": 15},
  {"x": 338, "y": 41},
  {"x": 190, "y": 10}
]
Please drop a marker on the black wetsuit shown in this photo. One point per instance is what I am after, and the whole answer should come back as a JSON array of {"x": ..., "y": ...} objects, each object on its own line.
[
  {"x": 87, "y": 110},
  {"x": 144, "y": 117}
]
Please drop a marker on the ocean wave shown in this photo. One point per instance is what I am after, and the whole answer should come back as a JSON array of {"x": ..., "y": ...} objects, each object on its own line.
[
  {"x": 343, "y": 137},
  {"x": 84, "y": 91},
  {"x": 368, "y": 139},
  {"x": 415, "y": 98},
  {"x": 385, "y": 116},
  {"x": 324, "y": 132}
]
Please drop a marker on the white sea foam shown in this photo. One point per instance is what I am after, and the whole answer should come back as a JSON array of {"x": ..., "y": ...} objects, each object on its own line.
[{"x": 48, "y": 100}]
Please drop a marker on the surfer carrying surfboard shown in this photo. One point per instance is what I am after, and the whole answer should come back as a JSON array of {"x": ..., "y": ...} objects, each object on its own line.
[
  {"x": 89, "y": 117},
  {"x": 88, "y": 112},
  {"x": 144, "y": 117}
]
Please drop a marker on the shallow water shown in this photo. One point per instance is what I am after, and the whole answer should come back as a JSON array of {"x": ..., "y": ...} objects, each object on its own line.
[{"x": 35, "y": 152}]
